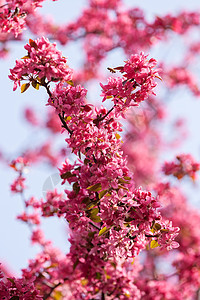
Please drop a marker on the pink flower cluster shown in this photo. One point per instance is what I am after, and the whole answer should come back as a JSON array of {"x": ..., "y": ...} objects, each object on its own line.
[
  {"x": 181, "y": 76},
  {"x": 18, "y": 165},
  {"x": 183, "y": 166},
  {"x": 136, "y": 85},
  {"x": 42, "y": 62}
]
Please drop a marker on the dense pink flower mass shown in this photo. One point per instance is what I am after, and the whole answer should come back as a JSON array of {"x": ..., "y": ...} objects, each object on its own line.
[
  {"x": 43, "y": 61},
  {"x": 136, "y": 85},
  {"x": 111, "y": 220}
]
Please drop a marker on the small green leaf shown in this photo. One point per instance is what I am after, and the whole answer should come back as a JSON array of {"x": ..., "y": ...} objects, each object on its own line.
[
  {"x": 154, "y": 244},
  {"x": 121, "y": 180},
  {"x": 117, "y": 136},
  {"x": 157, "y": 226},
  {"x": 25, "y": 57},
  {"x": 35, "y": 84},
  {"x": 57, "y": 295},
  {"x": 98, "y": 275},
  {"x": 122, "y": 187},
  {"x": 96, "y": 219},
  {"x": 11, "y": 280},
  {"x": 91, "y": 205},
  {"x": 25, "y": 87},
  {"x": 94, "y": 211},
  {"x": 164, "y": 230},
  {"x": 70, "y": 82},
  {"x": 84, "y": 281},
  {"x": 102, "y": 193},
  {"x": 94, "y": 188},
  {"x": 127, "y": 178},
  {"x": 102, "y": 231},
  {"x": 54, "y": 265},
  {"x": 93, "y": 215}
]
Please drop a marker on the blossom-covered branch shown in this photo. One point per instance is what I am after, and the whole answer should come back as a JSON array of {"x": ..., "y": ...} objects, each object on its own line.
[{"x": 111, "y": 221}]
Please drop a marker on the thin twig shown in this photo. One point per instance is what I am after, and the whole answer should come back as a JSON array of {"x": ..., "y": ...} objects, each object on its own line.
[
  {"x": 99, "y": 119},
  {"x": 61, "y": 118},
  {"x": 95, "y": 226},
  {"x": 64, "y": 124},
  {"x": 51, "y": 291}
]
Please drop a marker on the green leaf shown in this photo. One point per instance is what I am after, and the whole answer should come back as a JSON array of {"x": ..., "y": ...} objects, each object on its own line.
[
  {"x": 154, "y": 244},
  {"x": 121, "y": 180},
  {"x": 127, "y": 178},
  {"x": 25, "y": 57},
  {"x": 54, "y": 265},
  {"x": 98, "y": 275},
  {"x": 102, "y": 193},
  {"x": 57, "y": 295},
  {"x": 11, "y": 280},
  {"x": 70, "y": 82},
  {"x": 84, "y": 281},
  {"x": 94, "y": 211},
  {"x": 94, "y": 188},
  {"x": 24, "y": 87},
  {"x": 35, "y": 84},
  {"x": 102, "y": 231},
  {"x": 117, "y": 136},
  {"x": 91, "y": 205},
  {"x": 93, "y": 215},
  {"x": 164, "y": 230},
  {"x": 96, "y": 219},
  {"x": 157, "y": 226},
  {"x": 122, "y": 187}
]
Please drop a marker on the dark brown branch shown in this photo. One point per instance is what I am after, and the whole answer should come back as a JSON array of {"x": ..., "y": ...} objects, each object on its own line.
[
  {"x": 51, "y": 291},
  {"x": 53, "y": 288},
  {"x": 47, "y": 89},
  {"x": 95, "y": 226},
  {"x": 149, "y": 235},
  {"x": 61, "y": 118},
  {"x": 99, "y": 119},
  {"x": 64, "y": 124}
]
